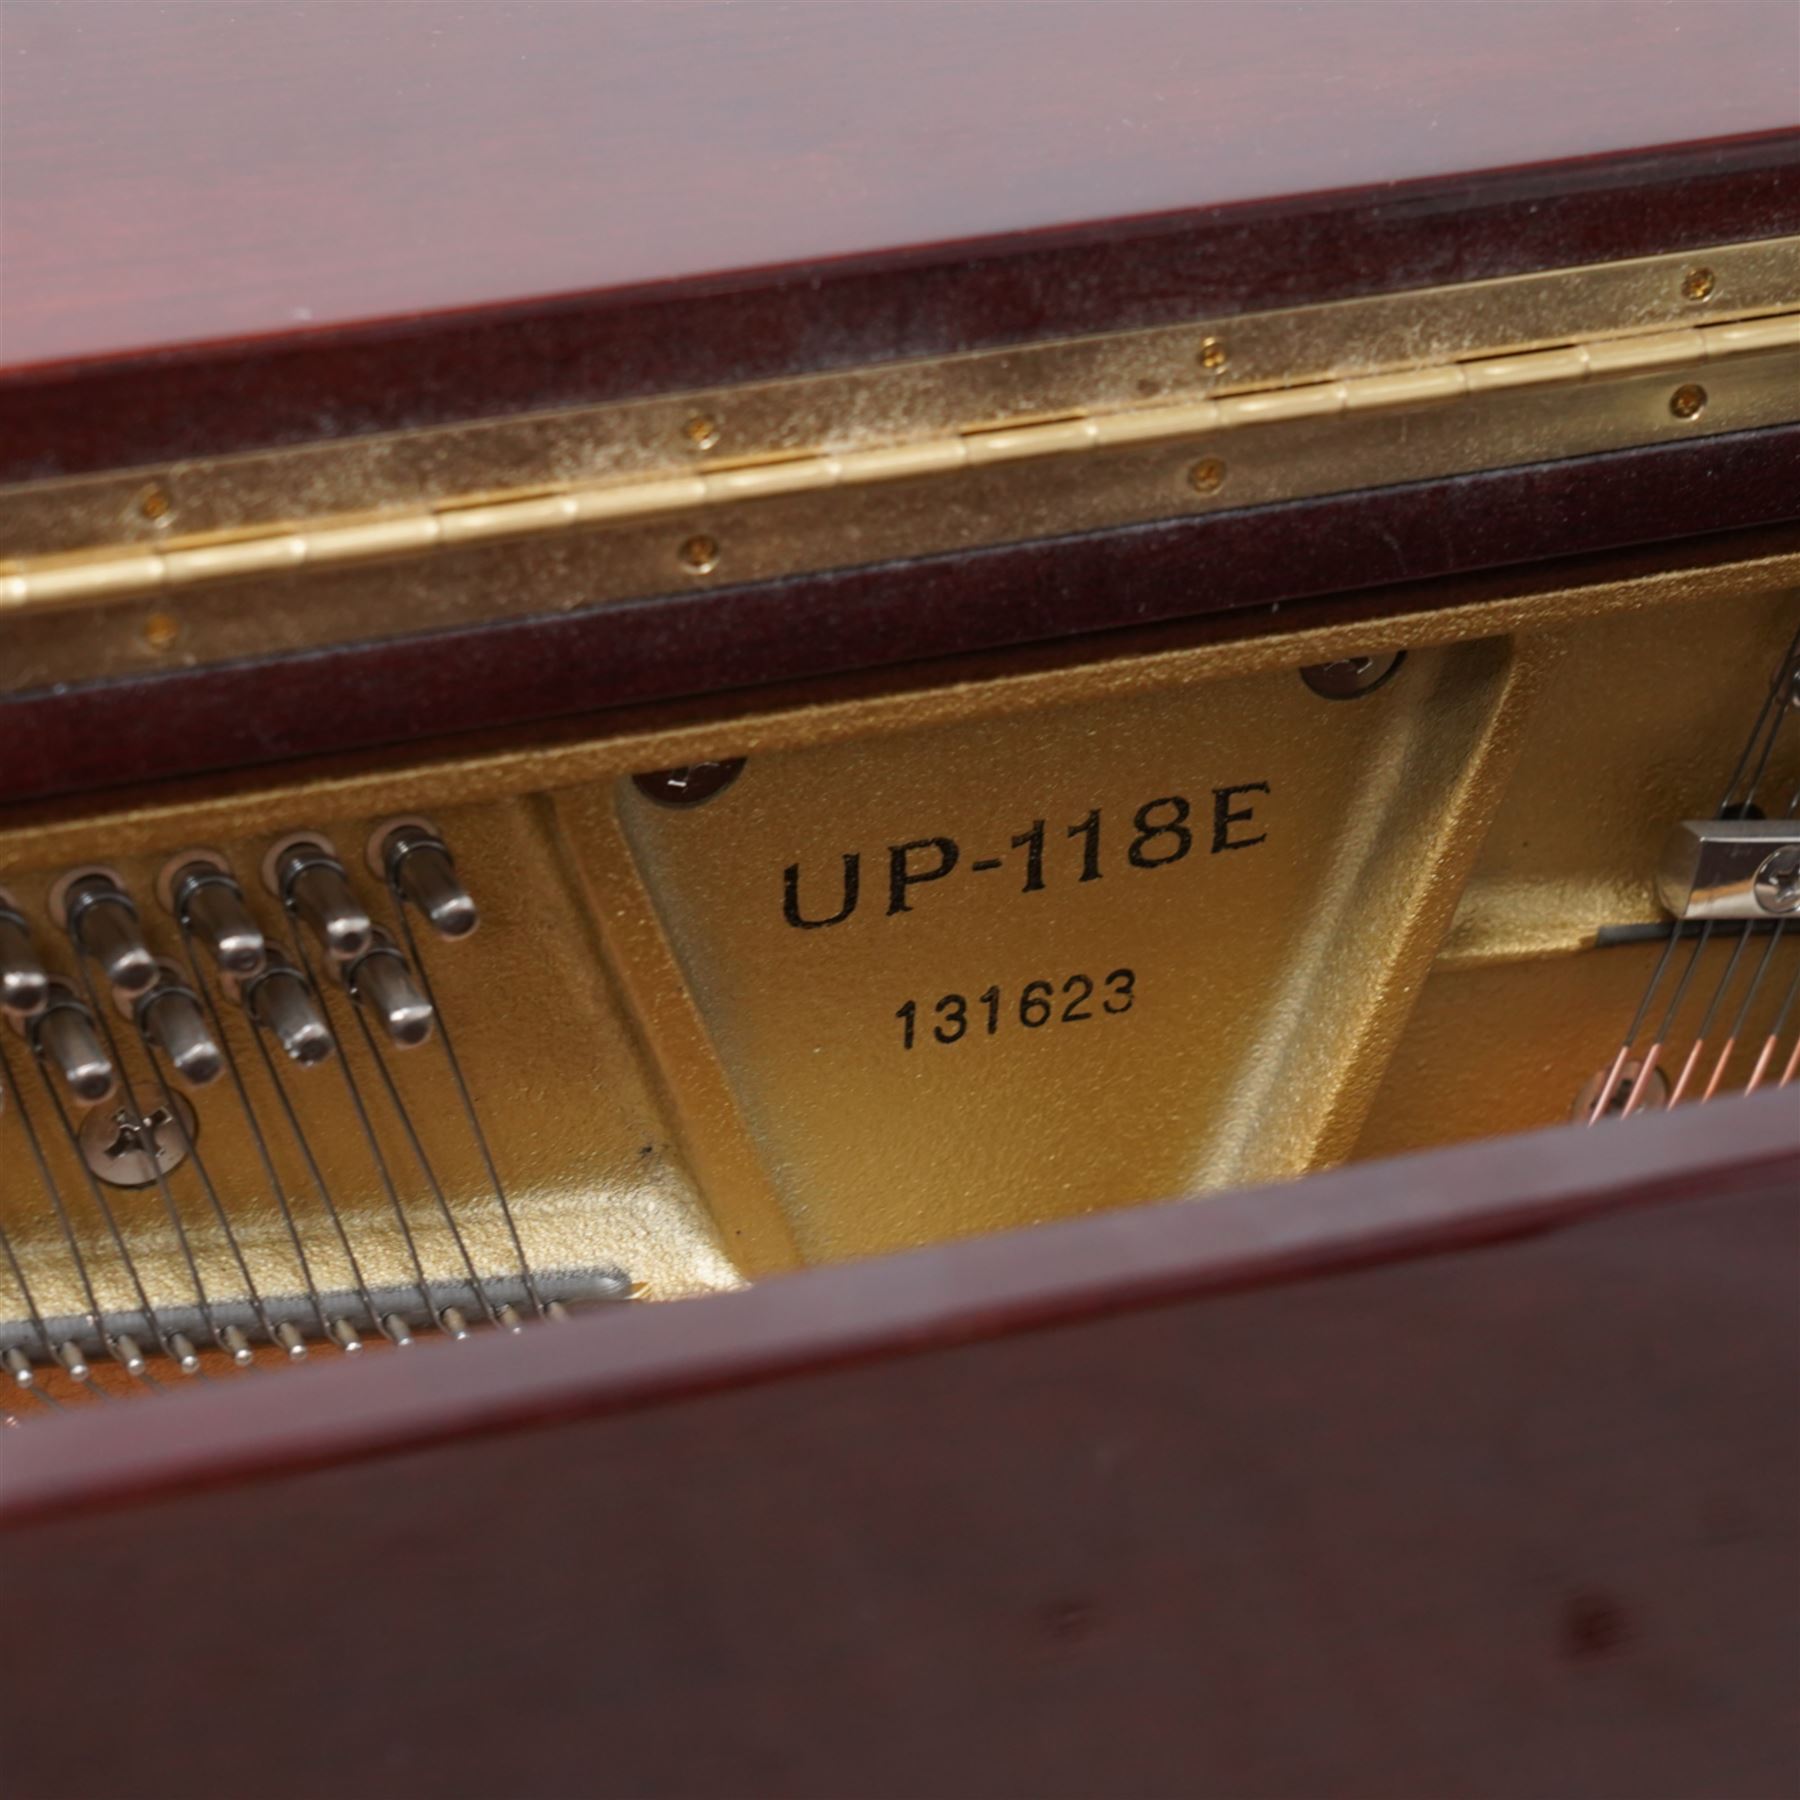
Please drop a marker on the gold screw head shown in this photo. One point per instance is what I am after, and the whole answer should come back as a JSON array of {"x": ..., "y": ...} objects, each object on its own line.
[
  {"x": 155, "y": 505},
  {"x": 160, "y": 632},
  {"x": 1212, "y": 353},
  {"x": 700, "y": 555},
  {"x": 1698, "y": 284},
  {"x": 701, "y": 432},
  {"x": 1688, "y": 401},
  {"x": 1207, "y": 476}
]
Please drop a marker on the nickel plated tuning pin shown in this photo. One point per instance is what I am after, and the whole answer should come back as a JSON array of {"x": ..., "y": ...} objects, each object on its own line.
[
  {"x": 280, "y": 999},
  {"x": 65, "y": 1034},
  {"x": 23, "y": 984},
  {"x": 102, "y": 920},
  {"x": 200, "y": 891},
  {"x": 412, "y": 856},
  {"x": 170, "y": 1015},
  {"x": 303, "y": 872},
  {"x": 381, "y": 980}
]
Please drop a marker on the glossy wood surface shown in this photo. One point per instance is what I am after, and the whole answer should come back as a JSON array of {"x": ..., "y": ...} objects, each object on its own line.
[
  {"x": 1475, "y": 1474},
  {"x": 261, "y": 225},
  {"x": 188, "y": 171},
  {"x": 436, "y": 368}
]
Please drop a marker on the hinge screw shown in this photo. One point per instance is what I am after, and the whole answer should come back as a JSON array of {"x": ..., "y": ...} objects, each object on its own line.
[
  {"x": 1207, "y": 476},
  {"x": 1688, "y": 401},
  {"x": 160, "y": 631},
  {"x": 155, "y": 505},
  {"x": 1698, "y": 284},
  {"x": 1212, "y": 353},
  {"x": 700, "y": 555},
  {"x": 701, "y": 432}
]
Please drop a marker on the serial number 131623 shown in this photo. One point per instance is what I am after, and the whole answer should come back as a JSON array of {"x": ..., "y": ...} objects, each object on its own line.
[{"x": 1037, "y": 1004}]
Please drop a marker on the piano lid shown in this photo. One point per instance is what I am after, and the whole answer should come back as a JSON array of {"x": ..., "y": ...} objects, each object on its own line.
[{"x": 185, "y": 172}]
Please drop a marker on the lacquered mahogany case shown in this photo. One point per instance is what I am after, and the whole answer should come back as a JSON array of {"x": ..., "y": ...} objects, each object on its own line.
[{"x": 900, "y": 900}]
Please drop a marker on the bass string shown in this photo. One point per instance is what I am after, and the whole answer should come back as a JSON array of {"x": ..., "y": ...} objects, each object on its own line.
[
  {"x": 27, "y": 1294},
  {"x": 353, "y": 1091},
  {"x": 404, "y": 1115},
  {"x": 1753, "y": 762},
  {"x": 1728, "y": 1049},
  {"x": 197, "y": 1161},
  {"x": 338, "y": 1330},
  {"x": 1772, "y": 1042},
  {"x": 113, "y": 1331},
  {"x": 67, "y": 1354},
  {"x": 1720, "y": 989},
  {"x": 1653, "y": 1055},
  {"x": 171, "y": 1343},
  {"x": 259, "y": 1138},
  {"x": 117, "y": 1345},
  {"x": 459, "y": 1081}
]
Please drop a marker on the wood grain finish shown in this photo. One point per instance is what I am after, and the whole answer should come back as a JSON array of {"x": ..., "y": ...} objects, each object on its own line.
[
  {"x": 180, "y": 173},
  {"x": 738, "y": 640},
  {"x": 248, "y": 227},
  {"x": 1447, "y": 1477},
  {"x": 579, "y": 350}
]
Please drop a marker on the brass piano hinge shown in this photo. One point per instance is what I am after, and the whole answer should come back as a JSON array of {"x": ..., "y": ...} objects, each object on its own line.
[{"x": 908, "y": 459}]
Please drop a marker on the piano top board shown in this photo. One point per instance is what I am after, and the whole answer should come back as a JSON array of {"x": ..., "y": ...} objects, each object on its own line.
[{"x": 277, "y": 176}]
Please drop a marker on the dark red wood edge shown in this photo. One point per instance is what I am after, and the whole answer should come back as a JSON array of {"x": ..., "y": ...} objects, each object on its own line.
[
  {"x": 63, "y": 419},
  {"x": 1511, "y": 1524},
  {"x": 1400, "y": 540},
  {"x": 1436, "y": 1203}
]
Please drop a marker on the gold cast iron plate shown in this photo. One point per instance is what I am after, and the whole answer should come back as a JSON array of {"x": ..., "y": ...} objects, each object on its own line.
[{"x": 635, "y": 984}]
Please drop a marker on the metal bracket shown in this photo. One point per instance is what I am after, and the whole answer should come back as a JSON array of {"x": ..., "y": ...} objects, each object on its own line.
[{"x": 1731, "y": 869}]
